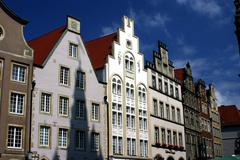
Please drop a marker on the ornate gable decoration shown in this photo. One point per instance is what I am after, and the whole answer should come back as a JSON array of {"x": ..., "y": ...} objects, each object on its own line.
[{"x": 73, "y": 24}]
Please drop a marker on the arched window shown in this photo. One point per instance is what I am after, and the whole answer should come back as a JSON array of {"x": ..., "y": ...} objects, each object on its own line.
[
  {"x": 129, "y": 62},
  {"x": 142, "y": 94},
  {"x": 116, "y": 85}
]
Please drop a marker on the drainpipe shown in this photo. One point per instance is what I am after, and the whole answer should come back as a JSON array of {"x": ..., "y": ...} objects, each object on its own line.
[
  {"x": 30, "y": 119},
  {"x": 107, "y": 105}
]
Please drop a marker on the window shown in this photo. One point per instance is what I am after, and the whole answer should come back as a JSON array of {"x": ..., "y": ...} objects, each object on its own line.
[
  {"x": 177, "y": 93},
  {"x": 163, "y": 136},
  {"x": 174, "y": 138},
  {"x": 117, "y": 115},
  {"x": 130, "y": 91},
  {"x": 154, "y": 81},
  {"x": 116, "y": 86},
  {"x": 142, "y": 94},
  {"x": 95, "y": 112},
  {"x": 155, "y": 107},
  {"x": 15, "y": 137},
  {"x": 178, "y": 115},
  {"x": 161, "y": 109},
  {"x": 64, "y": 76},
  {"x": 160, "y": 84},
  {"x": 173, "y": 114},
  {"x": 46, "y": 102},
  {"x": 180, "y": 139},
  {"x": 117, "y": 145},
  {"x": 168, "y": 111},
  {"x": 80, "y": 109},
  {"x": 169, "y": 137},
  {"x": 130, "y": 117},
  {"x": 80, "y": 140},
  {"x": 63, "y": 106},
  {"x": 143, "y": 148},
  {"x": 17, "y": 103},
  {"x": 62, "y": 138},
  {"x": 171, "y": 89},
  {"x": 143, "y": 120},
  {"x": 156, "y": 132},
  {"x": 19, "y": 73},
  {"x": 129, "y": 62},
  {"x": 131, "y": 146},
  {"x": 95, "y": 138},
  {"x": 166, "y": 87},
  {"x": 44, "y": 136},
  {"x": 73, "y": 50},
  {"x": 80, "y": 82}
]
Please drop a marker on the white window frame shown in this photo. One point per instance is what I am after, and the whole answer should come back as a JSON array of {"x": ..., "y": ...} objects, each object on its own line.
[
  {"x": 46, "y": 102},
  {"x": 73, "y": 47},
  {"x": 63, "y": 137},
  {"x": 95, "y": 112},
  {"x": 14, "y": 145},
  {"x": 81, "y": 80},
  {"x": 62, "y": 106},
  {"x": 44, "y": 136},
  {"x": 80, "y": 140},
  {"x": 64, "y": 76},
  {"x": 80, "y": 112},
  {"x": 16, "y": 78},
  {"x": 117, "y": 110},
  {"x": 15, "y": 107},
  {"x": 95, "y": 141}
]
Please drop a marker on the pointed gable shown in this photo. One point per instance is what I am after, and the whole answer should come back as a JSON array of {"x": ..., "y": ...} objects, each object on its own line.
[
  {"x": 44, "y": 44},
  {"x": 99, "y": 49}
]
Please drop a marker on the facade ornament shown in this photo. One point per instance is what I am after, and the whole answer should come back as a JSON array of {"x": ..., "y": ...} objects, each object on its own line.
[
  {"x": 138, "y": 63},
  {"x": 119, "y": 58}
]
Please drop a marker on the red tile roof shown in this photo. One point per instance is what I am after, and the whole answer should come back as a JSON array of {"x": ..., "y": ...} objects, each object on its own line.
[
  {"x": 99, "y": 49},
  {"x": 44, "y": 44},
  {"x": 229, "y": 115},
  {"x": 179, "y": 74}
]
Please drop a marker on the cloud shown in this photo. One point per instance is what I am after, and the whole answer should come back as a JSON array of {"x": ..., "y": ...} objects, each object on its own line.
[
  {"x": 205, "y": 7},
  {"x": 157, "y": 20},
  {"x": 227, "y": 97},
  {"x": 184, "y": 48},
  {"x": 109, "y": 29}
]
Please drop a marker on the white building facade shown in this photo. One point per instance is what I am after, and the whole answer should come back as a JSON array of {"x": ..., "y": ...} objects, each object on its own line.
[
  {"x": 68, "y": 108},
  {"x": 166, "y": 110},
  {"x": 126, "y": 81}
]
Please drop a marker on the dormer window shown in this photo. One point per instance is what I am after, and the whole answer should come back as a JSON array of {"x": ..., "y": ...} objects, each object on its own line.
[{"x": 129, "y": 62}]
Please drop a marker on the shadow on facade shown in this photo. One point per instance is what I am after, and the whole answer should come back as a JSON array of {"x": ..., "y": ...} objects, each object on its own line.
[{"x": 86, "y": 125}]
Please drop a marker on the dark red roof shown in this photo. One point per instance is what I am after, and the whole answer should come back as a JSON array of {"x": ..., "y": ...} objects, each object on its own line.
[
  {"x": 229, "y": 115},
  {"x": 179, "y": 74},
  {"x": 99, "y": 49},
  {"x": 44, "y": 44}
]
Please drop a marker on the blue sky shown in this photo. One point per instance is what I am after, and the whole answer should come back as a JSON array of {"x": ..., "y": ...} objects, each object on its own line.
[{"x": 201, "y": 32}]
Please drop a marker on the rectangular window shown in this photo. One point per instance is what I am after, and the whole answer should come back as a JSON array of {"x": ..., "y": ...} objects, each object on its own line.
[
  {"x": 169, "y": 137},
  {"x": 44, "y": 136},
  {"x": 114, "y": 118},
  {"x": 64, "y": 76},
  {"x": 15, "y": 137},
  {"x": 143, "y": 148},
  {"x": 171, "y": 89},
  {"x": 80, "y": 140},
  {"x": 174, "y": 138},
  {"x": 180, "y": 139},
  {"x": 46, "y": 102},
  {"x": 163, "y": 136},
  {"x": 160, "y": 84},
  {"x": 62, "y": 137},
  {"x": 63, "y": 106},
  {"x": 173, "y": 114},
  {"x": 120, "y": 145},
  {"x": 177, "y": 93},
  {"x": 168, "y": 111},
  {"x": 166, "y": 87},
  {"x": 156, "y": 132},
  {"x": 95, "y": 138},
  {"x": 154, "y": 81},
  {"x": 155, "y": 107},
  {"x": 17, "y": 103},
  {"x": 95, "y": 112},
  {"x": 178, "y": 115},
  {"x": 115, "y": 151},
  {"x": 131, "y": 146},
  {"x": 161, "y": 109},
  {"x": 117, "y": 145},
  {"x": 119, "y": 119},
  {"x": 73, "y": 50},
  {"x": 19, "y": 73},
  {"x": 80, "y": 82},
  {"x": 80, "y": 109}
]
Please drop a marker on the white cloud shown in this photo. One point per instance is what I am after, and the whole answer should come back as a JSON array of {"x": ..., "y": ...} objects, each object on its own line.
[
  {"x": 109, "y": 29},
  {"x": 226, "y": 97},
  {"x": 184, "y": 48},
  {"x": 206, "y": 7}
]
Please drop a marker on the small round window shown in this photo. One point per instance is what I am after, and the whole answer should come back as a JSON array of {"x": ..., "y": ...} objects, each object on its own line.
[{"x": 1, "y": 32}]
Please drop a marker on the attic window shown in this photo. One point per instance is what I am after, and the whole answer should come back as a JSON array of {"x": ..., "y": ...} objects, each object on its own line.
[
  {"x": 129, "y": 44},
  {"x": 1, "y": 32}
]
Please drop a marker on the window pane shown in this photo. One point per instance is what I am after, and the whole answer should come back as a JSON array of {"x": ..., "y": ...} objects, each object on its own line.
[{"x": 17, "y": 103}]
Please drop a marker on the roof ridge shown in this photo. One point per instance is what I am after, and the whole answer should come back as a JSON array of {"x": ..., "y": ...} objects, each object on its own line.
[
  {"x": 44, "y": 34},
  {"x": 102, "y": 37}
]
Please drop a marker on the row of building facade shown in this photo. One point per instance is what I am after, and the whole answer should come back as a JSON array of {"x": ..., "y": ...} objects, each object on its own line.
[{"x": 63, "y": 98}]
